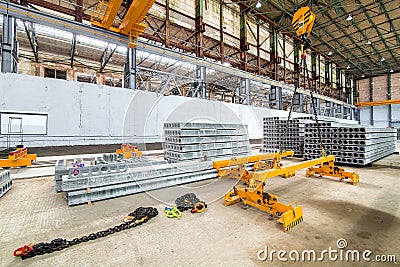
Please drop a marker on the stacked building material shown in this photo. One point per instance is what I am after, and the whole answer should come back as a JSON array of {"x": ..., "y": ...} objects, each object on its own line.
[
  {"x": 103, "y": 181},
  {"x": 274, "y": 130},
  {"x": 204, "y": 141},
  {"x": 350, "y": 144},
  {"x": 5, "y": 182}
]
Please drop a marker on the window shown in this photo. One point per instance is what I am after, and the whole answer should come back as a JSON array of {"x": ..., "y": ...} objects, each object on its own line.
[
  {"x": 85, "y": 78},
  {"x": 53, "y": 73}
]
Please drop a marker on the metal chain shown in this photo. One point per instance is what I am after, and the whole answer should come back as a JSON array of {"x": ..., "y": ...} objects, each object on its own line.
[
  {"x": 140, "y": 215},
  {"x": 296, "y": 86},
  {"x": 187, "y": 202},
  {"x": 314, "y": 109}
]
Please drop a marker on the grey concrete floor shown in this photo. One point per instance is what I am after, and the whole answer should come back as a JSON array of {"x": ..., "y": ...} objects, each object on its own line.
[{"x": 367, "y": 215}]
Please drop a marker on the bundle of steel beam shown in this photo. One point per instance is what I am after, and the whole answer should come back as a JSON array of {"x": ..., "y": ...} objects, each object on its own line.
[
  {"x": 350, "y": 144},
  {"x": 204, "y": 141},
  {"x": 5, "y": 182},
  {"x": 279, "y": 133},
  {"x": 97, "y": 182}
]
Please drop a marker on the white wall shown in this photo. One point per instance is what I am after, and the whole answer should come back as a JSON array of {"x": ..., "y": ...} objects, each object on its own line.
[{"x": 82, "y": 114}]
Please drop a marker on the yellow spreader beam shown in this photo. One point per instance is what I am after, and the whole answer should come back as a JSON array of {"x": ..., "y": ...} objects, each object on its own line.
[
  {"x": 252, "y": 192},
  {"x": 18, "y": 158}
]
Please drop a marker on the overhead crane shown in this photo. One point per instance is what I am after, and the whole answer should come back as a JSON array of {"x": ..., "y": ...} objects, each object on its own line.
[
  {"x": 265, "y": 166},
  {"x": 132, "y": 23}
]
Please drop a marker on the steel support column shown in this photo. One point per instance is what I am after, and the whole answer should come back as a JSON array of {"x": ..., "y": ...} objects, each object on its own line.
[
  {"x": 243, "y": 92},
  {"x": 314, "y": 70},
  {"x": 389, "y": 97},
  {"x": 275, "y": 100},
  {"x": 371, "y": 98},
  {"x": 273, "y": 53},
  {"x": 200, "y": 84},
  {"x": 284, "y": 57},
  {"x": 221, "y": 31},
  {"x": 167, "y": 25},
  {"x": 244, "y": 46},
  {"x": 298, "y": 102},
  {"x": 258, "y": 47},
  {"x": 327, "y": 75},
  {"x": 9, "y": 46},
  {"x": 200, "y": 29},
  {"x": 338, "y": 82},
  {"x": 130, "y": 69},
  {"x": 296, "y": 61}
]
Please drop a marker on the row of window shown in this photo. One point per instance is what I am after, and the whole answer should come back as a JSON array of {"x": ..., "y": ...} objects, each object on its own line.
[{"x": 62, "y": 74}]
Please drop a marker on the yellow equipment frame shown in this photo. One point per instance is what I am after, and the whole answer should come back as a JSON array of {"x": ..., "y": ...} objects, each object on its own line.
[
  {"x": 252, "y": 192},
  {"x": 128, "y": 151},
  {"x": 18, "y": 158}
]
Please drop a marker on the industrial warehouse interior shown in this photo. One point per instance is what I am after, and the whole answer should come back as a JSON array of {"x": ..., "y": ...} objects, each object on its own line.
[{"x": 199, "y": 132}]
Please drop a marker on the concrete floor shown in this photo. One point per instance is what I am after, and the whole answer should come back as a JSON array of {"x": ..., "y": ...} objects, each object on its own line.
[{"x": 367, "y": 215}]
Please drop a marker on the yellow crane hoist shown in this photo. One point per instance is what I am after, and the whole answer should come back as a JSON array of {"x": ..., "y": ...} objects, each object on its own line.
[{"x": 303, "y": 21}]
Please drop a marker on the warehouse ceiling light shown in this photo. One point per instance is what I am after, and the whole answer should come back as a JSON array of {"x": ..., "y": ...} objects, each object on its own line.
[
  {"x": 258, "y": 5},
  {"x": 349, "y": 18}
]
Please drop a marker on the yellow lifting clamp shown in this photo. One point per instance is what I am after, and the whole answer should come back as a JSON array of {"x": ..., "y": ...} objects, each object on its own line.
[
  {"x": 253, "y": 192},
  {"x": 329, "y": 169},
  {"x": 18, "y": 158}
]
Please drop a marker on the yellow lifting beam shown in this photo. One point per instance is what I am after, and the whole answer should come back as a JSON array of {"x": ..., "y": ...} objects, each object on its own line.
[
  {"x": 18, "y": 158},
  {"x": 252, "y": 192},
  {"x": 250, "y": 159},
  {"x": 261, "y": 162}
]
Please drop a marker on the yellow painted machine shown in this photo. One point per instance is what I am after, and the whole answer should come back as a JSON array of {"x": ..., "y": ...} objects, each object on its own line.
[
  {"x": 18, "y": 158},
  {"x": 132, "y": 23},
  {"x": 128, "y": 151}
]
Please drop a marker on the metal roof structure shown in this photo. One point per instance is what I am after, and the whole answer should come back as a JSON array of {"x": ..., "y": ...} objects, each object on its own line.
[{"x": 360, "y": 35}]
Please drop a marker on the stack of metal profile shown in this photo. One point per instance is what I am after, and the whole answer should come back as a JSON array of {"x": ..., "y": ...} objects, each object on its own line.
[
  {"x": 91, "y": 183},
  {"x": 204, "y": 141},
  {"x": 5, "y": 182},
  {"x": 350, "y": 144},
  {"x": 278, "y": 131}
]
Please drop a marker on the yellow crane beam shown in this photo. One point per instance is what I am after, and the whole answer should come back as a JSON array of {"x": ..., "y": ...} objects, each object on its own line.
[
  {"x": 132, "y": 24},
  {"x": 378, "y": 103},
  {"x": 134, "y": 16}
]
